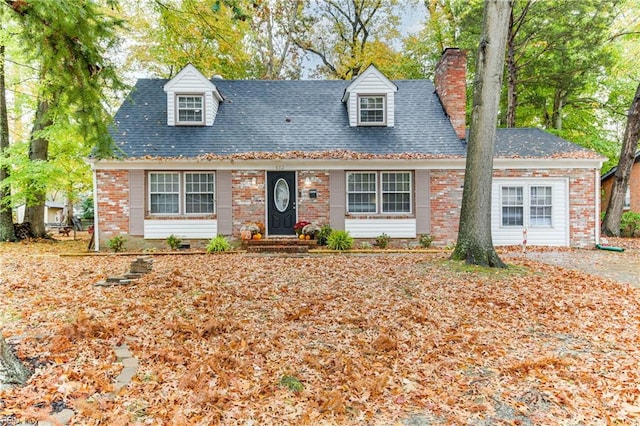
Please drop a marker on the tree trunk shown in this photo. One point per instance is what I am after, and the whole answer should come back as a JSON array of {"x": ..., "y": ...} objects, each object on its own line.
[
  {"x": 611, "y": 222},
  {"x": 12, "y": 372},
  {"x": 7, "y": 232},
  {"x": 512, "y": 93},
  {"x": 558, "y": 105},
  {"x": 475, "y": 243},
  {"x": 38, "y": 151}
]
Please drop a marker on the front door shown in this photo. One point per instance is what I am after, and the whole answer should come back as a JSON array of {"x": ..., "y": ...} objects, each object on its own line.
[{"x": 281, "y": 198}]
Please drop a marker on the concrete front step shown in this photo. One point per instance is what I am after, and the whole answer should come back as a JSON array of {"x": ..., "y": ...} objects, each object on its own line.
[
  {"x": 263, "y": 248},
  {"x": 280, "y": 242},
  {"x": 279, "y": 245}
]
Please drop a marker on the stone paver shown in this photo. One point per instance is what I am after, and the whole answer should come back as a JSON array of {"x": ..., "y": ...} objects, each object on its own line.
[{"x": 129, "y": 363}]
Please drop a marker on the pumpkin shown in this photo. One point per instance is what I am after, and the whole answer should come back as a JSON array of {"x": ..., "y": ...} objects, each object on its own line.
[
  {"x": 307, "y": 237},
  {"x": 245, "y": 235},
  {"x": 301, "y": 236},
  {"x": 257, "y": 236}
]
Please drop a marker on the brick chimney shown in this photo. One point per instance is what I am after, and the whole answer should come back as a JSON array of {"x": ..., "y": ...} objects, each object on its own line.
[{"x": 451, "y": 87}]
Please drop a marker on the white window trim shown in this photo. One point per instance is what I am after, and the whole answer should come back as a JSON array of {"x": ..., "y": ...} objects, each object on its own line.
[
  {"x": 526, "y": 206},
  {"x": 384, "y": 110},
  {"x": 550, "y": 225},
  {"x": 376, "y": 192},
  {"x": 379, "y": 192},
  {"x": 182, "y": 194},
  {"x": 149, "y": 193},
  {"x": 177, "y": 109},
  {"x": 183, "y": 197},
  {"x": 627, "y": 199}
]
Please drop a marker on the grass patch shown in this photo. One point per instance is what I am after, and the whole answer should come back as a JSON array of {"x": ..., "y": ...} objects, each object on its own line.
[
  {"x": 292, "y": 383},
  {"x": 461, "y": 267}
]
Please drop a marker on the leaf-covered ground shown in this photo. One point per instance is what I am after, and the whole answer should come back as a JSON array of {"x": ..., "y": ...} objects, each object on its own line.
[{"x": 336, "y": 339}]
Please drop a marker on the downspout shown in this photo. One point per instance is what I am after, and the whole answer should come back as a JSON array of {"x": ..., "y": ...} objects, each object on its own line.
[
  {"x": 96, "y": 229},
  {"x": 598, "y": 203}
]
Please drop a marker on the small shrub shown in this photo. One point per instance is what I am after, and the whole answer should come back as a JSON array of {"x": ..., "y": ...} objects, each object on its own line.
[
  {"x": 218, "y": 244},
  {"x": 382, "y": 241},
  {"x": 116, "y": 243},
  {"x": 323, "y": 234},
  {"x": 630, "y": 224},
  {"x": 425, "y": 240},
  {"x": 365, "y": 245},
  {"x": 339, "y": 240},
  {"x": 292, "y": 383},
  {"x": 173, "y": 242}
]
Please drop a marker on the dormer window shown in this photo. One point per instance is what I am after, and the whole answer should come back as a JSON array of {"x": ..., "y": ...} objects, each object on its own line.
[
  {"x": 190, "y": 109},
  {"x": 370, "y": 100},
  {"x": 371, "y": 110}
]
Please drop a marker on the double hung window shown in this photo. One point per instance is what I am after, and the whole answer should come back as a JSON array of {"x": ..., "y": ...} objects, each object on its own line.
[
  {"x": 190, "y": 109},
  {"x": 371, "y": 110},
  {"x": 540, "y": 206},
  {"x": 181, "y": 193},
  {"x": 379, "y": 192},
  {"x": 524, "y": 206}
]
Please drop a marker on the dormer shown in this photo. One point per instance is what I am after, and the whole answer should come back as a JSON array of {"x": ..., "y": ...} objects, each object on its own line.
[
  {"x": 370, "y": 99},
  {"x": 192, "y": 100}
]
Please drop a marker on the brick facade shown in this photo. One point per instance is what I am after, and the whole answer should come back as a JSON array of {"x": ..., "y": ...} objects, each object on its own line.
[
  {"x": 113, "y": 202},
  {"x": 451, "y": 85},
  {"x": 314, "y": 210},
  {"x": 248, "y": 195},
  {"x": 446, "y": 200},
  {"x": 634, "y": 189},
  {"x": 249, "y": 200}
]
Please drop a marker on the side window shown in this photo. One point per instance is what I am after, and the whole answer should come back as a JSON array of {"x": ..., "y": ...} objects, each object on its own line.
[
  {"x": 512, "y": 206},
  {"x": 540, "y": 204}
]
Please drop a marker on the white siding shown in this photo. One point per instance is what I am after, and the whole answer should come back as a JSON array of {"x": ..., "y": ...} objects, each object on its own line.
[
  {"x": 371, "y": 82},
  {"x": 555, "y": 235},
  {"x": 190, "y": 81},
  {"x": 371, "y": 228},
  {"x": 192, "y": 228},
  {"x": 171, "y": 108},
  {"x": 391, "y": 110}
]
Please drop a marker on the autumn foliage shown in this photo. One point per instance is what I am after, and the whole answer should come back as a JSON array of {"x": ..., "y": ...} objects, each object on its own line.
[{"x": 233, "y": 338}]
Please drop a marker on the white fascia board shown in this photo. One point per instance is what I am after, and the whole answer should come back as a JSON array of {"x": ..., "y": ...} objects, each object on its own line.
[
  {"x": 547, "y": 163},
  {"x": 189, "y": 69},
  {"x": 329, "y": 164},
  {"x": 371, "y": 69},
  {"x": 288, "y": 164}
]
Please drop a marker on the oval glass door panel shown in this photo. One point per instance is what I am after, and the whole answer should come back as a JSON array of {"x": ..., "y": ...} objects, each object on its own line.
[{"x": 281, "y": 195}]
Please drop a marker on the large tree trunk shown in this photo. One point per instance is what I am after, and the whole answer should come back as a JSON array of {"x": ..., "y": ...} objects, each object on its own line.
[
  {"x": 38, "y": 151},
  {"x": 475, "y": 242},
  {"x": 512, "y": 93},
  {"x": 12, "y": 372},
  {"x": 611, "y": 223},
  {"x": 6, "y": 215}
]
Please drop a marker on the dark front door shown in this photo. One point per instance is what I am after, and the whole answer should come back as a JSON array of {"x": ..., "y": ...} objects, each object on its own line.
[{"x": 281, "y": 196}]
